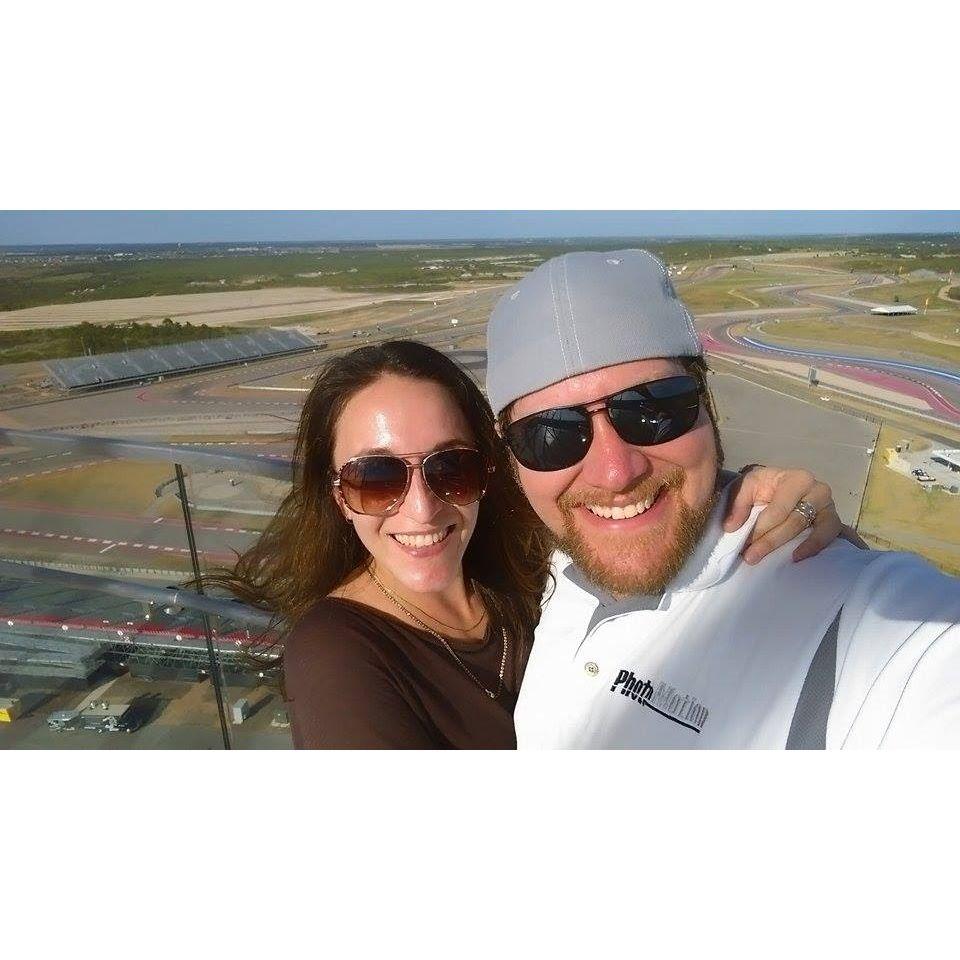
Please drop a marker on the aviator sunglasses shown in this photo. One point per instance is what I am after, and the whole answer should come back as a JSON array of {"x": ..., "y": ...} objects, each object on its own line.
[
  {"x": 377, "y": 484},
  {"x": 649, "y": 413}
]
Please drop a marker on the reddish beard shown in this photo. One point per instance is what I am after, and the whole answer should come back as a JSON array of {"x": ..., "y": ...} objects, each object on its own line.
[{"x": 647, "y": 562}]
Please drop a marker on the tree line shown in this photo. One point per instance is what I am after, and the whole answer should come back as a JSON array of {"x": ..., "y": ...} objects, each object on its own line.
[{"x": 80, "y": 339}]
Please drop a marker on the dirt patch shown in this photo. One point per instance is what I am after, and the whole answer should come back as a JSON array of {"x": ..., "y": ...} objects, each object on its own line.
[{"x": 215, "y": 309}]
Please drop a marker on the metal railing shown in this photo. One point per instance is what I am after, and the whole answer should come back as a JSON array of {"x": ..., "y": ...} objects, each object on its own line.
[
  {"x": 175, "y": 597},
  {"x": 139, "y": 592},
  {"x": 109, "y": 447}
]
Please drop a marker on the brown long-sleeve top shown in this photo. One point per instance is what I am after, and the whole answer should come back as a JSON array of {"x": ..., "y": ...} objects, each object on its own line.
[{"x": 358, "y": 678}]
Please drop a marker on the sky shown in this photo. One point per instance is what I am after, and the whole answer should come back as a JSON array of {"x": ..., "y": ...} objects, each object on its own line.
[{"x": 29, "y": 227}]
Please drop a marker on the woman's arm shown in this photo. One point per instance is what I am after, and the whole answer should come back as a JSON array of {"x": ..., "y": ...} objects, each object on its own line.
[{"x": 779, "y": 522}]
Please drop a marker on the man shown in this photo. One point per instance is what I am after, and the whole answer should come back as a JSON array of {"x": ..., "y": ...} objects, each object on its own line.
[{"x": 657, "y": 634}]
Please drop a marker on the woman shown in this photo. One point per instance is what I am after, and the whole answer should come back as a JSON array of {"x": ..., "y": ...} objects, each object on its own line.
[{"x": 407, "y": 562}]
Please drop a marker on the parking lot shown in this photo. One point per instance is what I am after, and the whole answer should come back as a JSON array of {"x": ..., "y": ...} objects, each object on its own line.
[
  {"x": 175, "y": 715},
  {"x": 929, "y": 466}
]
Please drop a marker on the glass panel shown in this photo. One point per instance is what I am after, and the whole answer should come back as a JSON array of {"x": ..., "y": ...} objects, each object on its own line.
[
  {"x": 229, "y": 508},
  {"x": 89, "y": 513},
  {"x": 80, "y": 669},
  {"x": 84, "y": 668}
]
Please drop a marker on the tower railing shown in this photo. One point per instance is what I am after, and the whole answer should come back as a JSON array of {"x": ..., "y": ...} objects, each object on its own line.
[{"x": 92, "y": 641}]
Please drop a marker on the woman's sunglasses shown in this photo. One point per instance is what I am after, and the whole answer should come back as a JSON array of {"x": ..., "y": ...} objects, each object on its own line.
[
  {"x": 376, "y": 485},
  {"x": 649, "y": 413}
]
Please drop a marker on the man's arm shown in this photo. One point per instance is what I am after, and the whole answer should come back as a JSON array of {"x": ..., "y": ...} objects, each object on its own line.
[{"x": 898, "y": 659}]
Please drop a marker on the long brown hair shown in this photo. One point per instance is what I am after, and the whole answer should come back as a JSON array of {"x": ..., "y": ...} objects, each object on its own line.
[{"x": 309, "y": 548}]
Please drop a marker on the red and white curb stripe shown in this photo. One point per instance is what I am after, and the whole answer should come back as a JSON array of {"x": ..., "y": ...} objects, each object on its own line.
[
  {"x": 95, "y": 540},
  {"x": 40, "y": 473},
  {"x": 49, "y": 456},
  {"x": 112, "y": 543}
]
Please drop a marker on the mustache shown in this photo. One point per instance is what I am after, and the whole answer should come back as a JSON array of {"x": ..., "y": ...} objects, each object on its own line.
[{"x": 641, "y": 490}]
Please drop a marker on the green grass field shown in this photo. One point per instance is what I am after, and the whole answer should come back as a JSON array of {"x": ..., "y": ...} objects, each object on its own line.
[
  {"x": 741, "y": 288},
  {"x": 885, "y": 336},
  {"x": 716, "y": 296},
  {"x": 913, "y": 292},
  {"x": 893, "y": 254}
]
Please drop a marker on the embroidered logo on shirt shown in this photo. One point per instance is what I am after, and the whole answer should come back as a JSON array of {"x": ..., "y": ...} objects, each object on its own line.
[{"x": 666, "y": 700}]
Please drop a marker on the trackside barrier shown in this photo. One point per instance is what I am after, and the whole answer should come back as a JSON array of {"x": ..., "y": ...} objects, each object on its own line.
[
  {"x": 802, "y": 394},
  {"x": 144, "y": 593},
  {"x": 108, "y": 447},
  {"x": 171, "y": 575}
]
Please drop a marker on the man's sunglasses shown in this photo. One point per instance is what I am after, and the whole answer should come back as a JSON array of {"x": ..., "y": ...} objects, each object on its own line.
[
  {"x": 377, "y": 484},
  {"x": 649, "y": 413}
]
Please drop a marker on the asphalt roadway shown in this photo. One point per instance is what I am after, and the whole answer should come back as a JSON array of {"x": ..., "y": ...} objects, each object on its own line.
[
  {"x": 758, "y": 424},
  {"x": 940, "y": 383},
  {"x": 761, "y": 425}
]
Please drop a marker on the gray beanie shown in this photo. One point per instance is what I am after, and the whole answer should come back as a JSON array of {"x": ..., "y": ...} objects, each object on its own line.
[{"x": 580, "y": 312}]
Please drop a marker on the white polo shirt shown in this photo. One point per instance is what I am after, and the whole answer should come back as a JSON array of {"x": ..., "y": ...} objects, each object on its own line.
[{"x": 740, "y": 656}]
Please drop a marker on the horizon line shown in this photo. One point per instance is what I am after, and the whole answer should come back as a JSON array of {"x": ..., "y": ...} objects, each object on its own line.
[{"x": 426, "y": 241}]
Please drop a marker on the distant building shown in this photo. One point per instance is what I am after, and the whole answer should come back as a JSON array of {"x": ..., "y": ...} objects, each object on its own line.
[
  {"x": 894, "y": 310},
  {"x": 110, "y": 369},
  {"x": 947, "y": 458}
]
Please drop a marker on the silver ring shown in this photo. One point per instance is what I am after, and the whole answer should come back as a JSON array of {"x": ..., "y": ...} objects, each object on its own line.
[{"x": 806, "y": 510}]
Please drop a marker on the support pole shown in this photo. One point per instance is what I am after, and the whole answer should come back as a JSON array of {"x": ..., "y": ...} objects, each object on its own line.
[{"x": 211, "y": 654}]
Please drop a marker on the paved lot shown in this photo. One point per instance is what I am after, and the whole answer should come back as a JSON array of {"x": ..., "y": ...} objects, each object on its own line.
[
  {"x": 760, "y": 425},
  {"x": 183, "y": 717}
]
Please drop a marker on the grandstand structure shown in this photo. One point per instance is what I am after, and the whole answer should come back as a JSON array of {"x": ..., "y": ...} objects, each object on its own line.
[
  {"x": 58, "y": 632},
  {"x": 133, "y": 366}
]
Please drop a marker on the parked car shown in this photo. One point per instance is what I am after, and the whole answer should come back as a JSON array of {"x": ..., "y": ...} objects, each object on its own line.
[
  {"x": 64, "y": 720},
  {"x": 99, "y": 716}
]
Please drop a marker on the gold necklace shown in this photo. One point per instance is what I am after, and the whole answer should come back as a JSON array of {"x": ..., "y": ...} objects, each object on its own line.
[
  {"x": 449, "y": 626},
  {"x": 503, "y": 659}
]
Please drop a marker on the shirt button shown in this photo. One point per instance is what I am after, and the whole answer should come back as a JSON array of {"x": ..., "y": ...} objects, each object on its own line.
[{"x": 591, "y": 668}]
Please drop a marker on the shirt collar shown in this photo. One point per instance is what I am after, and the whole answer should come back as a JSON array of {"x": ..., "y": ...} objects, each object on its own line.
[
  {"x": 717, "y": 553},
  {"x": 640, "y": 601}
]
